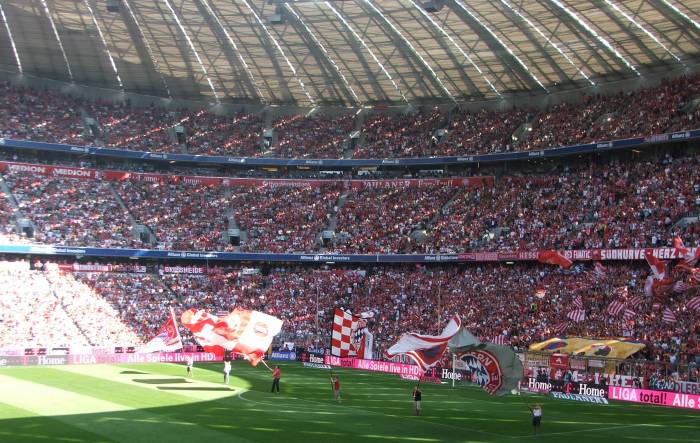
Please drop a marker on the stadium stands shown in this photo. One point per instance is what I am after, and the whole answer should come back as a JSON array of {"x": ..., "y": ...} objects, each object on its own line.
[
  {"x": 630, "y": 204},
  {"x": 524, "y": 303},
  {"x": 48, "y": 116}
]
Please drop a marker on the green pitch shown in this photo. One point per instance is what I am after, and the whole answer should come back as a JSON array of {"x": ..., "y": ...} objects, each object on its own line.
[{"x": 156, "y": 402}]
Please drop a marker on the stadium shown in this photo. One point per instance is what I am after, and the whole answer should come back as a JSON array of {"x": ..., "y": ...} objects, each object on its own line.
[{"x": 362, "y": 220}]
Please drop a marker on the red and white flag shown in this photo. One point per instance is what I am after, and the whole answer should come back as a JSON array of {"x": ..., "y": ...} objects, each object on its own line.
[
  {"x": 578, "y": 302},
  {"x": 615, "y": 307},
  {"x": 500, "y": 339},
  {"x": 680, "y": 287},
  {"x": 658, "y": 267},
  {"x": 350, "y": 336},
  {"x": 242, "y": 331},
  {"x": 669, "y": 316},
  {"x": 167, "y": 338},
  {"x": 690, "y": 256},
  {"x": 552, "y": 257},
  {"x": 577, "y": 315},
  {"x": 694, "y": 303},
  {"x": 628, "y": 315},
  {"x": 425, "y": 350},
  {"x": 560, "y": 328},
  {"x": 599, "y": 270},
  {"x": 635, "y": 302},
  {"x": 250, "y": 331}
]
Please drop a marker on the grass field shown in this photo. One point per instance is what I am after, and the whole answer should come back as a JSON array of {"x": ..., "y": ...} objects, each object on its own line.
[{"x": 156, "y": 402}]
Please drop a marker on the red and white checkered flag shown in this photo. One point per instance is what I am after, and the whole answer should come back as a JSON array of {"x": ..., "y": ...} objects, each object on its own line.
[
  {"x": 341, "y": 339},
  {"x": 694, "y": 303},
  {"x": 669, "y": 316}
]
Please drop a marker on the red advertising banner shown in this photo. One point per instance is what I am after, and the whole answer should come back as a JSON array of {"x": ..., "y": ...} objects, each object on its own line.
[
  {"x": 375, "y": 366},
  {"x": 88, "y": 173},
  {"x": 183, "y": 269},
  {"x": 659, "y": 398},
  {"x": 558, "y": 364},
  {"x": 78, "y": 267},
  {"x": 46, "y": 170}
]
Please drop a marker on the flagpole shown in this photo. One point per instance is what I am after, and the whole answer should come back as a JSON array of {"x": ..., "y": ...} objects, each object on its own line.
[{"x": 453, "y": 370}]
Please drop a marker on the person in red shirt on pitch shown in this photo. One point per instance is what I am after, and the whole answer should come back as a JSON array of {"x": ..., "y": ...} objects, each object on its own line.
[
  {"x": 335, "y": 381},
  {"x": 276, "y": 375}
]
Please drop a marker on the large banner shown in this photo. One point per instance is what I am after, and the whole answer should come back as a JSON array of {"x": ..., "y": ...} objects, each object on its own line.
[
  {"x": 115, "y": 267},
  {"x": 386, "y": 367},
  {"x": 531, "y": 384},
  {"x": 95, "y": 358},
  {"x": 658, "y": 398},
  {"x": 92, "y": 174},
  {"x": 606, "y": 348}
]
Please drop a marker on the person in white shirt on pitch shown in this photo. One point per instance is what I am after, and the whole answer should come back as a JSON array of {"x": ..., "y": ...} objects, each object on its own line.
[
  {"x": 190, "y": 362},
  {"x": 227, "y": 370},
  {"x": 536, "y": 410}
]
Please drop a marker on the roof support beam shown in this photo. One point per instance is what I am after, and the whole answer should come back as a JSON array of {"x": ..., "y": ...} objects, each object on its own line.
[
  {"x": 230, "y": 49},
  {"x": 577, "y": 21},
  {"x": 321, "y": 54},
  {"x": 312, "y": 102},
  {"x": 496, "y": 44},
  {"x": 58, "y": 38},
  {"x": 459, "y": 49},
  {"x": 367, "y": 48},
  {"x": 12, "y": 40},
  {"x": 407, "y": 48},
  {"x": 633, "y": 36},
  {"x": 143, "y": 48}
]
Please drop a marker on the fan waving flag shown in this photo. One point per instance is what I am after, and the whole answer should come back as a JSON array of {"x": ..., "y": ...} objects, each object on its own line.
[
  {"x": 167, "y": 338},
  {"x": 242, "y": 331},
  {"x": 425, "y": 350}
]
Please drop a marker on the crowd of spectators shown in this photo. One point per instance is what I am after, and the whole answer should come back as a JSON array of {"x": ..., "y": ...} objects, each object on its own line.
[
  {"x": 585, "y": 206},
  {"x": 49, "y": 116},
  {"x": 42, "y": 308},
  {"x": 376, "y": 221},
  {"x": 283, "y": 219},
  {"x": 71, "y": 211},
  {"x": 614, "y": 206},
  {"x": 180, "y": 215},
  {"x": 317, "y": 136},
  {"x": 522, "y": 303}
]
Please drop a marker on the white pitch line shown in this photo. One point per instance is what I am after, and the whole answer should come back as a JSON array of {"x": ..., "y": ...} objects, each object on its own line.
[{"x": 608, "y": 428}]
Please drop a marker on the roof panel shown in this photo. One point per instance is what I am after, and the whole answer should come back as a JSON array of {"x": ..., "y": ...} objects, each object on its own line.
[{"x": 351, "y": 52}]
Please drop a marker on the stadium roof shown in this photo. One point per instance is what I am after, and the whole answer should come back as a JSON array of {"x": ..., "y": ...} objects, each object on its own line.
[{"x": 355, "y": 52}]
